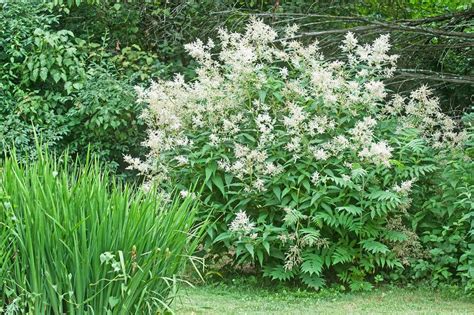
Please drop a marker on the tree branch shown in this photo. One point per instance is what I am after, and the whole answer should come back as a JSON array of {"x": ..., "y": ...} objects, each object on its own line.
[
  {"x": 464, "y": 15},
  {"x": 402, "y": 25},
  {"x": 425, "y": 30},
  {"x": 435, "y": 76}
]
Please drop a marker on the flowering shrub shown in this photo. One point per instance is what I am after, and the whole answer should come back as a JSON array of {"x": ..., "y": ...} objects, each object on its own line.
[{"x": 308, "y": 169}]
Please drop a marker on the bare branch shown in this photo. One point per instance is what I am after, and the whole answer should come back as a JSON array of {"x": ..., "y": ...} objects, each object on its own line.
[
  {"x": 335, "y": 31},
  {"x": 435, "y": 76},
  {"x": 464, "y": 15},
  {"x": 424, "y": 30},
  {"x": 402, "y": 25}
]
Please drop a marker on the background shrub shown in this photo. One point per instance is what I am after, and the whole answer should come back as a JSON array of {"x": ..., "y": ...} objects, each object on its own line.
[
  {"x": 105, "y": 116},
  {"x": 26, "y": 107},
  {"x": 445, "y": 221},
  {"x": 72, "y": 91}
]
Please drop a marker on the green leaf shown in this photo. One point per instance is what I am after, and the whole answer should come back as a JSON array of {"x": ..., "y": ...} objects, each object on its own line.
[
  {"x": 260, "y": 257},
  {"x": 395, "y": 236},
  {"x": 43, "y": 73},
  {"x": 277, "y": 192},
  {"x": 217, "y": 180},
  {"x": 77, "y": 85},
  {"x": 315, "y": 197},
  {"x": 262, "y": 94},
  {"x": 34, "y": 75},
  {"x": 278, "y": 273},
  {"x": 351, "y": 209},
  {"x": 68, "y": 87},
  {"x": 56, "y": 76},
  {"x": 312, "y": 264},
  {"x": 313, "y": 281},
  {"x": 278, "y": 96},
  {"x": 222, "y": 237},
  {"x": 360, "y": 286},
  {"x": 210, "y": 170},
  {"x": 307, "y": 185},
  {"x": 341, "y": 255},
  {"x": 113, "y": 301},
  {"x": 30, "y": 65},
  {"x": 228, "y": 179},
  {"x": 374, "y": 247},
  {"x": 267, "y": 246},
  {"x": 249, "y": 247}
]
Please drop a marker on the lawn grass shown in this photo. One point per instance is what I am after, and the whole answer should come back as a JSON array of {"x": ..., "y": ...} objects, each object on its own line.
[{"x": 245, "y": 299}]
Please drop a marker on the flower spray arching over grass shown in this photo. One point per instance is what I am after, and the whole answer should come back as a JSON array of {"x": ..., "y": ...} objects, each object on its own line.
[
  {"x": 75, "y": 241},
  {"x": 305, "y": 161}
]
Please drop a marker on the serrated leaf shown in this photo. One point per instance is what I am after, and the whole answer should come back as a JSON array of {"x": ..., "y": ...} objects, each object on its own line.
[
  {"x": 395, "y": 236},
  {"x": 341, "y": 255},
  {"x": 312, "y": 264},
  {"x": 313, "y": 281},
  {"x": 374, "y": 247},
  {"x": 354, "y": 210},
  {"x": 278, "y": 273}
]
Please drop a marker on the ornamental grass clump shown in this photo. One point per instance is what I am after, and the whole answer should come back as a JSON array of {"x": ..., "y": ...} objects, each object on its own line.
[
  {"x": 74, "y": 241},
  {"x": 309, "y": 164}
]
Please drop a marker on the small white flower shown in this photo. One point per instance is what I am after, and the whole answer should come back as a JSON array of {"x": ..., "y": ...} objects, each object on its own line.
[
  {"x": 405, "y": 187},
  {"x": 185, "y": 194},
  {"x": 376, "y": 89},
  {"x": 241, "y": 223},
  {"x": 379, "y": 153},
  {"x": 182, "y": 160},
  {"x": 259, "y": 185},
  {"x": 315, "y": 178},
  {"x": 349, "y": 42},
  {"x": 346, "y": 178},
  {"x": 320, "y": 154}
]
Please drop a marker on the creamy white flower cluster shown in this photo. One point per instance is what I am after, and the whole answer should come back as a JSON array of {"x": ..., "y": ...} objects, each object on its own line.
[
  {"x": 264, "y": 104},
  {"x": 405, "y": 187},
  {"x": 374, "y": 55},
  {"x": 241, "y": 224},
  {"x": 422, "y": 111}
]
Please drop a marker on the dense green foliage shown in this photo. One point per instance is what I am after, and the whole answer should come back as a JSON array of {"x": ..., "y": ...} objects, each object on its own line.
[
  {"x": 71, "y": 91},
  {"x": 72, "y": 241},
  {"x": 445, "y": 221}
]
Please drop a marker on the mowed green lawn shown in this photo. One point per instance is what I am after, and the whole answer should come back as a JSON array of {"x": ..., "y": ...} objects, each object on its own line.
[{"x": 225, "y": 299}]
